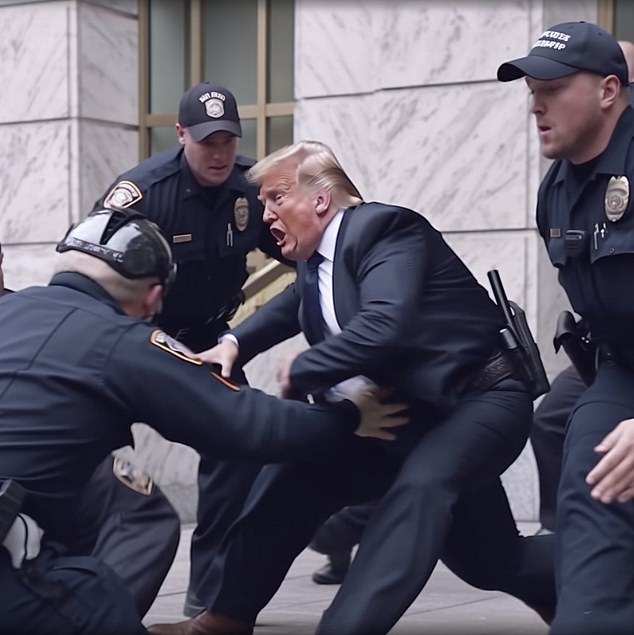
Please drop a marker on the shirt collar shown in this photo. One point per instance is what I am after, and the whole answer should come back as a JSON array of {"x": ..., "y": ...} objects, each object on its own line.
[
  {"x": 329, "y": 240},
  {"x": 614, "y": 158}
]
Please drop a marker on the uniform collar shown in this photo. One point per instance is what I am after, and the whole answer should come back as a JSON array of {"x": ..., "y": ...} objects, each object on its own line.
[
  {"x": 190, "y": 187},
  {"x": 86, "y": 285},
  {"x": 614, "y": 158}
]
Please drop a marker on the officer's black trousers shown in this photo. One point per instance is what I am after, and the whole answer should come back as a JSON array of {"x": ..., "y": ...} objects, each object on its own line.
[
  {"x": 595, "y": 565},
  {"x": 443, "y": 500},
  {"x": 223, "y": 486},
  {"x": 135, "y": 534},
  {"x": 547, "y": 438},
  {"x": 343, "y": 530},
  {"x": 56, "y": 595}
]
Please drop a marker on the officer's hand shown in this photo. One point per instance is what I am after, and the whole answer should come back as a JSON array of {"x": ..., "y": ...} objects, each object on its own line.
[
  {"x": 224, "y": 353},
  {"x": 613, "y": 476},
  {"x": 377, "y": 417}
]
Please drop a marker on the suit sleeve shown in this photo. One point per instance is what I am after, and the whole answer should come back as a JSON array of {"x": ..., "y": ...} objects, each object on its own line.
[
  {"x": 275, "y": 322},
  {"x": 187, "y": 402},
  {"x": 390, "y": 276}
]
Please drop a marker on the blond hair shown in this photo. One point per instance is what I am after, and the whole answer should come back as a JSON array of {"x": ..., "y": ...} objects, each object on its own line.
[
  {"x": 125, "y": 291},
  {"x": 317, "y": 167}
]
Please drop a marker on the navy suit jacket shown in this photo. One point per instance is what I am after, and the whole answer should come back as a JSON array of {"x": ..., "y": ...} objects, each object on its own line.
[{"x": 413, "y": 317}]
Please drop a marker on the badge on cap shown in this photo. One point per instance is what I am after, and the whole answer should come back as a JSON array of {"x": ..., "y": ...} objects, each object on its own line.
[
  {"x": 123, "y": 194},
  {"x": 617, "y": 197},
  {"x": 241, "y": 213},
  {"x": 166, "y": 343},
  {"x": 215, "y": 108}
]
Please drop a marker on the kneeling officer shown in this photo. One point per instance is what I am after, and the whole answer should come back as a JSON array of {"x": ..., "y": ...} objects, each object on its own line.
[{"x": 79, "y": 363}]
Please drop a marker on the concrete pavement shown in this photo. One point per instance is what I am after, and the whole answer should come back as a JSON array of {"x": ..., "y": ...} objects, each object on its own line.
[{"x": 447, "y": 606}]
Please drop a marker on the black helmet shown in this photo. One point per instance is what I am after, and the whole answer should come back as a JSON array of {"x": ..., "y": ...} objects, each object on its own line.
[{"x": 125, "y": 239}]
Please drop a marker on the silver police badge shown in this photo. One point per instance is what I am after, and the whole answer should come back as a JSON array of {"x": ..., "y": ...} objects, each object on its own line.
[
  {"x": 215, "y": 108},
  {"x": 241, "y": 213},
  {"x": 617, "y": 197}
]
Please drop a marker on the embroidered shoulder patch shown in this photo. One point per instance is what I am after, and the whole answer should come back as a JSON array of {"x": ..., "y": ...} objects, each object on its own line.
[
  {"x": 163, "y": 341},
  {"x": 123, "y": 194}
]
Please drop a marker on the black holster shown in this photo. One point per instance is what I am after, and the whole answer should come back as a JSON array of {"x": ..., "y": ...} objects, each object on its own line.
[
  {"x": 573, "y": 338},
  {"x": 11, "y": 499},
  {"x": 518, "y": 341}
]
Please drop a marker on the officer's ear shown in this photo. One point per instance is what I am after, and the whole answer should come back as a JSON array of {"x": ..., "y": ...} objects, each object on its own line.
[
  {"x": 610, "y": 90},
  {"x": 180, "y": 133},
  {"x": 153, "y": 300}
]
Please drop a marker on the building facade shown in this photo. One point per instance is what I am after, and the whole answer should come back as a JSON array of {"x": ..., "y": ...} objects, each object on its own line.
[{"x": 405, "y": 92}]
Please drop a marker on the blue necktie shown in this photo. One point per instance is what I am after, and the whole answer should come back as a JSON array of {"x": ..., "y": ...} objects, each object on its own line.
[{"x": 311, "y": 309}]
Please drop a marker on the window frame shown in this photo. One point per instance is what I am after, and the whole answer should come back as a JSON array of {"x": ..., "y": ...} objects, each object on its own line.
[
  {"x": 605, "y": 14},
  {"x": 261, "y": 111}
]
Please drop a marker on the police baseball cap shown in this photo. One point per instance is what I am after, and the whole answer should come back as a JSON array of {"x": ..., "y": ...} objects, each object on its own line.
[
  {"x": 126, "y": 240},
  {"x": 207, "y": 108},
  {"x": 567, "y": 48}
]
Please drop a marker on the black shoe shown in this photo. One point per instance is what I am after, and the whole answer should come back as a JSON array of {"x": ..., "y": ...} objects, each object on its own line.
[
  {"x": 192, "y": 605},
  {"x": 334, "y": 571}
]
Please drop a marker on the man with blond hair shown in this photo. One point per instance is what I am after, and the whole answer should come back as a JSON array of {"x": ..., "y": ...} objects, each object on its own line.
[{"x": 381, "y": 298}]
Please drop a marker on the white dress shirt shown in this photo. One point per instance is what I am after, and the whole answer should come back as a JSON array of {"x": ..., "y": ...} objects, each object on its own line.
[{"x": 327, "y": 303}]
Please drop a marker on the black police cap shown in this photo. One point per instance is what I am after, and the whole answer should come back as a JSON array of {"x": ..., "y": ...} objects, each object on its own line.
[
  {"x": 567, "y": 48},
  {"x": 207, "y": 108},
  {"x": 124, "y": 239}
]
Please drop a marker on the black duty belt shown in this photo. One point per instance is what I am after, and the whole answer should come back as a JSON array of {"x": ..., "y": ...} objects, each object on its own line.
[{"x": 494, "y": 370}]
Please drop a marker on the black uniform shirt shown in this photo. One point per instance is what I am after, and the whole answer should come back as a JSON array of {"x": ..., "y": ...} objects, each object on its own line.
[
  {"x": 595, "y": 256},
  {"x": 210, "y": 230},
  {"x": 75, "y": 373}
]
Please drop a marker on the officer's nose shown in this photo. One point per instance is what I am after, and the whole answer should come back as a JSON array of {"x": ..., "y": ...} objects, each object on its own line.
[{"x": 536, "y": 105}]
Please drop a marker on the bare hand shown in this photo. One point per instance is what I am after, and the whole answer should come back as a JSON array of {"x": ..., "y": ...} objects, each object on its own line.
[
  {"x": 613, "y": 476},
  {"x": 377, "y": 417},
  {"x": 284, "y": 372},
  {"x": 224, "y": 353}
]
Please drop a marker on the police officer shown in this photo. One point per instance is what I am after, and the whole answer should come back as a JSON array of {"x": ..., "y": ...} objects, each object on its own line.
[
  {"x": 129, "y": 522},
  {"x": 198, "y": 195},
  {"x": 577, "y": 76},
  {"x": 78, "y": 365}
]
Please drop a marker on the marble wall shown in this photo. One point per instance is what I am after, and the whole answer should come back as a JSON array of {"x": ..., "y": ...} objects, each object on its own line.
[
  {"x": 403, "y": 90},
  {"x": 68, "y": 116}
]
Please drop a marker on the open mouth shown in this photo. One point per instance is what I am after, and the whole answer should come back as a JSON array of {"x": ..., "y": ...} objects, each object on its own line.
[{"x": 278, "y": 234}]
